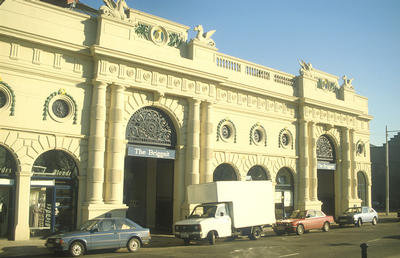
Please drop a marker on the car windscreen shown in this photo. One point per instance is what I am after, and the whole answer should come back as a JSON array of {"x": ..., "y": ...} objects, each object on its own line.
[
  {"x": 298, "y": 214},
  {"x": 353, "y": 210},
  {"x": 88, "y": 225}
]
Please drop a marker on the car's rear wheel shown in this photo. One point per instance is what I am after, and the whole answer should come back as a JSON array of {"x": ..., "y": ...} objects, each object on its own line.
[
  {"x": 133, "y": 245},
  {"x": 76, "y": 249},
  {"x": 326, "y": 226},
  {"x": 359, "y": 223},
  {"x": 300, "y": 229},
  {"x": 374, "y": 221}
]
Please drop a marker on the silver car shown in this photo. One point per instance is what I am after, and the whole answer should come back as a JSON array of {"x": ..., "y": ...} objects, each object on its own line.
[
  {"x": 100, "y": 233},
  {"x": 358, "y": 216}
]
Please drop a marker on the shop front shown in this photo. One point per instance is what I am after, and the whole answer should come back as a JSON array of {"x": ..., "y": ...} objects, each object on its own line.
[
  {"x": 53, "y": 194},
  {"x": 7, "y": 192}
]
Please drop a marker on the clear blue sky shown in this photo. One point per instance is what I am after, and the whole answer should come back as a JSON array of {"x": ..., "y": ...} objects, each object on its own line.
[{"x": 359, "y": 38}]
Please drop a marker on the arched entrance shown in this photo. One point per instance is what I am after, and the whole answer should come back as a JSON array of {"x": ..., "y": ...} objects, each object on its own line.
[
  {"x": 8, "y": 167},
  {"x": 284, "y": 193},
  {"x": 258, "y": 173},
  {"x": 53, "y": 194},
  {"x": 149, "y": 169},
  {"x": 224, "y": 172},
  {"x": 326, "y": 166},
  {"x": 362, "y": 188}
]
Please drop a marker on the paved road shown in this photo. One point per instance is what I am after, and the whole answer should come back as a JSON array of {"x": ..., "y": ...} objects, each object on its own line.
[{"x": 383, "y": 241}]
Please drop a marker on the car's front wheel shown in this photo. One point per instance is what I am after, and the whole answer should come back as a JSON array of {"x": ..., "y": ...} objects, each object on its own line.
[
  {"x": 359, "y": 223},
  {"x": 211, "y": 238},
  {"x": 133, "y": 245},
  {"x": 374, "y": 221},
  {"x": 300, "y": 229},
  {"x": 76, "y": 249}
]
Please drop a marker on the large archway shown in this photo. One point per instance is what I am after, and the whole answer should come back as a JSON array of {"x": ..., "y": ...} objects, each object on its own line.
[
  {"x": 149, "y": 168},
  {"x": 326, "y": 166},
  {"x": 53, "y": 194},
  {"x": 224, "y": 172},
  {"x": 284, "y": 193},
  {"x": 8, "y": 167},
  {"x": 362, "y": 188}
]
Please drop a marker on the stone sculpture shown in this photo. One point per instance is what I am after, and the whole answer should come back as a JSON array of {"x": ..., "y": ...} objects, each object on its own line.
[
  {"x": 204, "y": 37},
  {"x": 115, "y": 9}
]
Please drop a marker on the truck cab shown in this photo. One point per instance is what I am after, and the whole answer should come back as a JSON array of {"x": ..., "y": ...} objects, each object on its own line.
[{"x": 208, "y": 220}]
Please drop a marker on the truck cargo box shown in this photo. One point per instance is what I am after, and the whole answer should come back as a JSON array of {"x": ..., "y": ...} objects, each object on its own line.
[{"x": 251, "y": 202}]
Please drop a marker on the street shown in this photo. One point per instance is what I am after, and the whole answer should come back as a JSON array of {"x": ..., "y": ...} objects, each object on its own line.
[{"x": 383, "y": 241}]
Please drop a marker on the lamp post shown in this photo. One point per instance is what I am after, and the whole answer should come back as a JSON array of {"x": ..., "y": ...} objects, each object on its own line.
[{"x": 387, "y": 169}]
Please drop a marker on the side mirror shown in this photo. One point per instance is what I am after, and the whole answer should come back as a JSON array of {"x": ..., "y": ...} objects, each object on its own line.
[{"x": 222, "y": 214}]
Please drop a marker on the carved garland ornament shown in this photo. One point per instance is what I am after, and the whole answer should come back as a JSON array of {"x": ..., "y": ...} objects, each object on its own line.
[
  {"x": 151, "y": 126},
  {"x": 61, "y": 106},
  {"x": 7, "y": 97}
]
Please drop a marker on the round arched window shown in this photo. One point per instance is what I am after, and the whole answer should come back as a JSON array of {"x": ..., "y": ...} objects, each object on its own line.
[
  {"x": 258, "y": 173},
  {"x": 224, "y": 172}
]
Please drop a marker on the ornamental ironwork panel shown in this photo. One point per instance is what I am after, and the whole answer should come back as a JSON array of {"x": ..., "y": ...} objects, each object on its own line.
[
  {"x": 325, "y": 150},
  {"x": 151, "y": 126}
]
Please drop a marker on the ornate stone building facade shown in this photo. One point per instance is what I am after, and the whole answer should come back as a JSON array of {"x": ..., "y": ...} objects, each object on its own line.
[{"x": 117, "y": 111}]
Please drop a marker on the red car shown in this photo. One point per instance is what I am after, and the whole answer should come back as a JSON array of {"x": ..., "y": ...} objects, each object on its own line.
[{"x": 301, "y": 221}]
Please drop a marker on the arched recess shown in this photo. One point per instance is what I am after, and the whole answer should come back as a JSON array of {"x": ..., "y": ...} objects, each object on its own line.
[
  {"x": 53, "y": 193},
  {"x": 225, "y": 172},
  {"x": 8, "y": 168},
  {"x": 362, "y": 192},
  {"x": 257, "y": 172},
  {"x": 284, "y": 193},
  {"x": 149, "y": 168},
  {"x": 326, "y": 167}
]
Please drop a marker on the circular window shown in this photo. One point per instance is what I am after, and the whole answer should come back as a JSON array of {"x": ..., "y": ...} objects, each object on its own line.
[
  {"x": 226, "y": 132},
  {"x": 60, "y": 108},
  {"x": 3, "y": 99},
  {"x": 360, "y": 148},
  {"x": 257, "y": 136},
  {"x": 285, "y": 139}
]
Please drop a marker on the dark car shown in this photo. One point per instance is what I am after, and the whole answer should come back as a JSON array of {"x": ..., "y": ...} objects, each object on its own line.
[
  {"x": 358, "y": 216},
  {"x": 301, "y": 221},
  {"x": 100, "y": 233}
]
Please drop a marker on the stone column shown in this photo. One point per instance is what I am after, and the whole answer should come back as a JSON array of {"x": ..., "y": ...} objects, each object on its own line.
[
  {"x": 22, "y": 183},
  {"x": 96, "y": 148},
  {"x": 115, "y": 147},
  {"x": 180, "y": 210},
  {"x": 346, "y": 165},
  {"x": 193, "y": 143},
  {"x": 304, "y": 160},
  {"x": 207, "y": 143},
  {"x": 352, "y": 172},
  {"x": 313, "y": 164}
]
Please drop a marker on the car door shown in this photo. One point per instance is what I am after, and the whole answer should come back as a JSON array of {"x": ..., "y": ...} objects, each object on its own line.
[
  {"x": 366, "y": 215},
  {"x": 125, "y": 230},
  {"x": 309, "y": 221},
  {"x": 104, "y": 236}
]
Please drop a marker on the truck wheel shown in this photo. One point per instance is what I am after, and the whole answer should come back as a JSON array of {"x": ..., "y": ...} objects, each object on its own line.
[
  {"x": 374, "y": 221},
  {"x": 325, "y": 228},
  {"x": 186, "y": 241},
  {"x": 76, "y": 249},
  {"x": 255, "y": 234},
  {"x": 211, "y": 237},
  {"x": 359, "y": 223},
  {"x": 300, "y": 229}
]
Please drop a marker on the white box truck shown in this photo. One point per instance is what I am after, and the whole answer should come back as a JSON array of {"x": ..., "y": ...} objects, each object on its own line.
[{"x": 227, "y": 209}]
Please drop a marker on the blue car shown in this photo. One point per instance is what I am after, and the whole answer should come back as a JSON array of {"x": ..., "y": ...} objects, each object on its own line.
[{"x": 100, "y": 233}]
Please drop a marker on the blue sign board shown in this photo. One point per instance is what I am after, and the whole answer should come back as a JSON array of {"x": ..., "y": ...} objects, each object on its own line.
[
  {"x": 326, "y": 165},
  {"x": 150, "y": 152}
]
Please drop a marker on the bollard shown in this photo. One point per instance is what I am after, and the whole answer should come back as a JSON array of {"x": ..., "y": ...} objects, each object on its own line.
[{"x": 364, "y": 247}]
